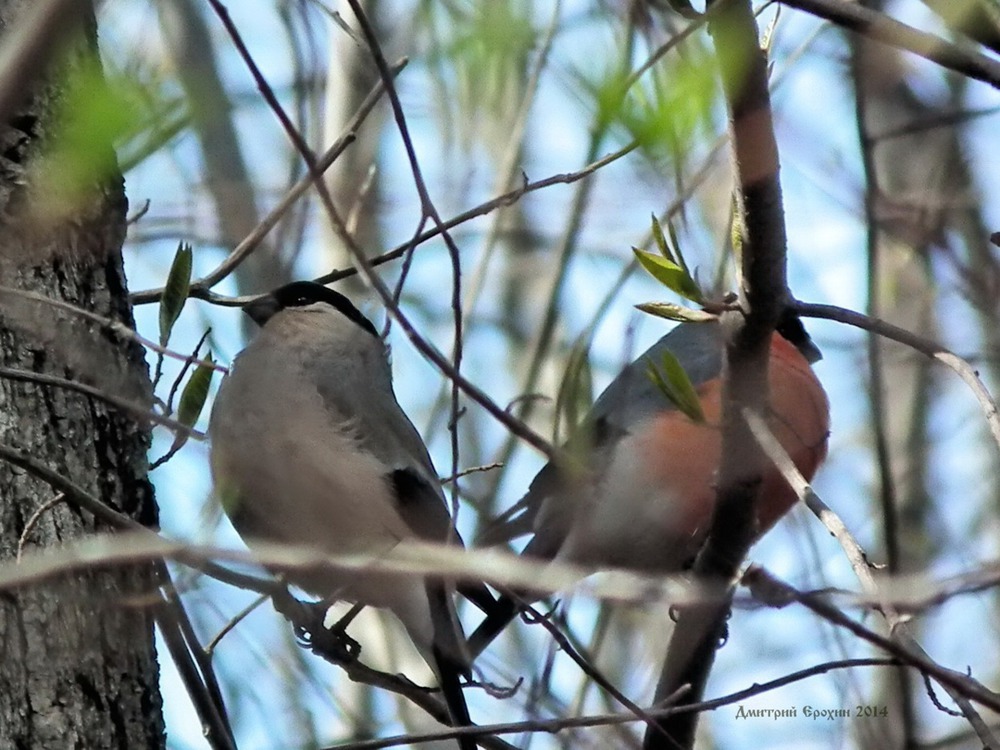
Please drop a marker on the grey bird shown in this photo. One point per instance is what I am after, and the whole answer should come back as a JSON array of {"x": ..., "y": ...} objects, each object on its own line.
[{"x": 310, "y": 447}]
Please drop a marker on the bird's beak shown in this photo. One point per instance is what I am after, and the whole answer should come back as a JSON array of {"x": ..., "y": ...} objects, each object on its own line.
[
  {"x": 262, "y": 309},
  {"x": 810, "y": 351}
]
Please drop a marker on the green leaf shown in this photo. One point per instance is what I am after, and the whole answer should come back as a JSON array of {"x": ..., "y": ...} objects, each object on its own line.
[
  {"x": 479, "y": 55},
  {"x": 673, "y": 107},
  {"x": 670, "y": 275},
  {"x": 680, "y": 313},
  {"x": 175, "y": 291},
  {"x": 576, "y": 392},
  {"x": 607, "y": 90},
  {"x": 195, "y": 394},
  {"x": 99, "y": 109},
  {"x": 676, "y": 386},
  {"x": 660, "y": 240},
  {"x": 677, "y": 247},
  {"x": 669, "y": 248}
]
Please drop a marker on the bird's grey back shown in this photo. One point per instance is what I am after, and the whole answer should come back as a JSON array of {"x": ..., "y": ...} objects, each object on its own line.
[{"x": 632, "y": 396}]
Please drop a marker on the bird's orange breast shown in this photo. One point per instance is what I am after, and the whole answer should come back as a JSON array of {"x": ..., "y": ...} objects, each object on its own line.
[{"x": 684, "y": 455}]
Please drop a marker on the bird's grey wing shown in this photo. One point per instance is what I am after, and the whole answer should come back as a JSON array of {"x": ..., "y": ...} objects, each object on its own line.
[
  {"x": 385, "y": 431},
  {"x": 420, "y": 501}
]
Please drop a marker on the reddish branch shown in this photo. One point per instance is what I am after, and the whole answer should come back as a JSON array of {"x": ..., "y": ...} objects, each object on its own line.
[{"x": 763, "y": 294}]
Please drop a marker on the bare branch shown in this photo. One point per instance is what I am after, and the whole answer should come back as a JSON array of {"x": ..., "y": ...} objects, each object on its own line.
[
  {"x": 201, "y": 288},
  {"x": 883, "y": 28},
  {"x": 83, "y": 499},
  {"x": 501, "y": 201},
  {"x": 426, "y": 349},
  {"x": 137, "y": 410},
  {"x": 116, "y": 327},
  {"x": 859, "y": 562},
  {"x": 663, "y": 710},
  {"x": 926, "y": 347},
  {"x": 33, "y": 520},
  {"x": 193, "y": 664},
  {"x": 775, "y": 593}
]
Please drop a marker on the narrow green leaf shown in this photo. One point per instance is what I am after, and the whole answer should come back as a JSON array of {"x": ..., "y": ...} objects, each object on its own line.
[
  {"x": 576, "y": 393},
  {"x": 660, "y": 240},
  {"x": 669, "y": 274},
  {"x": 175, "y": 291},
  {"x": 669, "y": 246},
  {"x": 676, "y": 386},
  {"x": 195, "y": 394},
  {"x": 672, "y": 233},
  {"x": 680, "y": 313},
  {"x": 673, "y": 108}
]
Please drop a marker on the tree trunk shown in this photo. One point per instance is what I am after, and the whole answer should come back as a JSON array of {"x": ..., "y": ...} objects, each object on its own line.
[{"x": 78, "y": 666}]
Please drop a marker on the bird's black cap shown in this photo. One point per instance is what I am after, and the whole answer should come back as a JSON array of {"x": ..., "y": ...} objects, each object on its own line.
[{"x": 300, "y": 294}]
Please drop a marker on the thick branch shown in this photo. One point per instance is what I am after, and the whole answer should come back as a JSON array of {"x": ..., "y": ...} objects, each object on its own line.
[{"x": 763, "y": 293}]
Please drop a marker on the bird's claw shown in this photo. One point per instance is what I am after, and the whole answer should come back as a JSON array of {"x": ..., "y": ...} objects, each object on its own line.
[{"x": 307, "y": 619}]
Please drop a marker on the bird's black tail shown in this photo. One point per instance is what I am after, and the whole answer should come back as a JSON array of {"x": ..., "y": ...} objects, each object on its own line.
[
  {"x": 501, "y": 613},
  {"x": 450, "y": 673},
  {"x": 451, "y": 657}
]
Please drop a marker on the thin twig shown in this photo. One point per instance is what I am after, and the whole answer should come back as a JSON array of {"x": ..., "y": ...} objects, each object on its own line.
[
  {"x": 776, "y": 593},
  {"x": 507, "y": 199},
  {"x": 195, "y": 355},
  {"x": 925, "y": 346},
  {"x": 428, "y": 209},
  {"x": 115, "y": 326},
  {"x": 125, "y": 405},
  {"x": 586, "y": 667},
  {"x": 201, "y": 288},
  {"x": 859, "y": 563},
  {"x": 34, "y": 518},
  {"x": 364, "y": 266},
  {"x": 192, "y": 663},
  {"x": 884, "y": 28},
  {"x": 83, "y": 499},
  {"x": 666, "y": 708},
  {"x": 876, "y": 365},
  {"x": 234, "y": 621},
  {"x": 473, "y": 470}
]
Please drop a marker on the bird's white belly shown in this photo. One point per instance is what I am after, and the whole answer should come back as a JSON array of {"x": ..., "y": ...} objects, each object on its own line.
[{"x": 630, "y": 520}]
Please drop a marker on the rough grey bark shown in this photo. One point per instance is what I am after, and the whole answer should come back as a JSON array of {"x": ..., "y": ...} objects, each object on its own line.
[{"x": 77, "y": 661}]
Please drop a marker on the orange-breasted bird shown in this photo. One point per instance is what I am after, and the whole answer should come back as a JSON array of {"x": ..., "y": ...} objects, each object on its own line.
[{"x": 645, "y": 497}]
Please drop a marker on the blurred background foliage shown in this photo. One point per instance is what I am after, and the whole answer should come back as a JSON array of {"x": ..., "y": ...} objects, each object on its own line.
[{"x": 886, "y": 170}]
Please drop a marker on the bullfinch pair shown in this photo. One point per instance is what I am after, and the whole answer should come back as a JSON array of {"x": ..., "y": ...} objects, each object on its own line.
[{"x": 310, "y": 447}]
